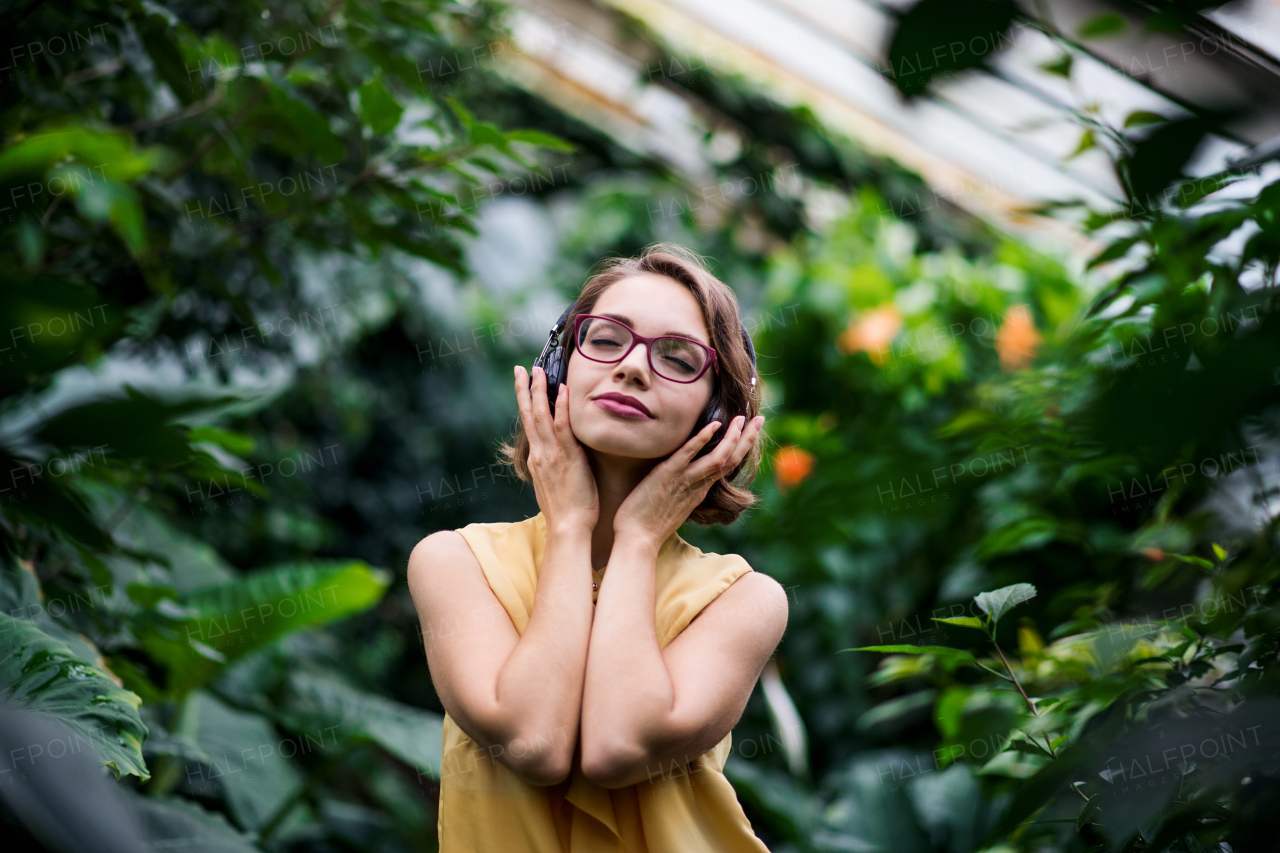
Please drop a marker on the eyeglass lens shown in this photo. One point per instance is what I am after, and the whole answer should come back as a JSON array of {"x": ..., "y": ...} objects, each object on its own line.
[{"x": 672, "y": 358}]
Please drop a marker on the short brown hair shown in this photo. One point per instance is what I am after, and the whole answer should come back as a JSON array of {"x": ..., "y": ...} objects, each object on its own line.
[{"x": 724, "y": 501}]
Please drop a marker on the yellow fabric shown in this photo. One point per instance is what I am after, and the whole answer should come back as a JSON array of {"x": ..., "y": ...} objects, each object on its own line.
[{"x": 485, "y": 808}]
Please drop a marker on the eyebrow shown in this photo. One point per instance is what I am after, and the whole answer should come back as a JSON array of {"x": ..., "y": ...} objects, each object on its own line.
[{"x": 622, "y": 318}]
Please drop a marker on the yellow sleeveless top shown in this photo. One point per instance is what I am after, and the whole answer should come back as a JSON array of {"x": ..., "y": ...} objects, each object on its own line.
[{"x": 485, "y": 808}]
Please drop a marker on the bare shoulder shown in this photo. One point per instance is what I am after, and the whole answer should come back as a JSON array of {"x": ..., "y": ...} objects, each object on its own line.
[
  {"x": 754, "y": 605},
  {"x": 432, "y": 549},
  {"x": 436, "y": 560},
  {"x": 768, "y": 596}
]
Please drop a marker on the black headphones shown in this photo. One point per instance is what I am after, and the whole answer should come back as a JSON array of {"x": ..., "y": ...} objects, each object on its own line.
[{"x": 554, "y": 363}]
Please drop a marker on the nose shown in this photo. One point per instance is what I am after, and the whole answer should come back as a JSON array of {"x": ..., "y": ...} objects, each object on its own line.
[{"x": 635, "y": 365}]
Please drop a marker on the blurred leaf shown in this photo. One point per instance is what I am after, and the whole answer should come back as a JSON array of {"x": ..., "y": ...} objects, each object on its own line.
[
  {"x": 1138, "y": 118},
  {"x": 947, "y": 656},
  {"x": 1060, "y": 66},
  {"x": 790, "y": 808},
  {"x": 1086, "y": 142},
  {"x": 1195, "y": 561},
  {"x": 378, "y": 107},
  {"x": 307, "y": 128},
  {"x": 100, "y": 155},
  {"x": 964, "y": 621},
  {"x": 414, "y": 736},
  {"x": 251, "y": 765},
  {"x": 1021, "y": 535},
  {"x": 233, "y": 442},
  {"x": 1104, "y": 24},
  {"x": 174, "y": 822},
  {"x": 542, "y": 140},
  {"x": 136, "y": 426},
  {"x": 924, "y": 43},
  {"x": 238, "y": 617},
  {"x": 1157, "y": 159},
  {"x": 157, "y": 37},
  {"x": 897, "y": 712}
]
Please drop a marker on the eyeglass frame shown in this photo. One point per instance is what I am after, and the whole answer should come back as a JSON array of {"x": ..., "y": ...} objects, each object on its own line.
[{"x": 637, "y": 338}]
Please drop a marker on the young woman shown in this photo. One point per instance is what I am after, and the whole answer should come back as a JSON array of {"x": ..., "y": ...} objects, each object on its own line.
[{"x": 592, "y": 663}]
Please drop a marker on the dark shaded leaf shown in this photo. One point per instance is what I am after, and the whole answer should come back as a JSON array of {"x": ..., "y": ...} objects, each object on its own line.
[{"x": 933, "y": 37}]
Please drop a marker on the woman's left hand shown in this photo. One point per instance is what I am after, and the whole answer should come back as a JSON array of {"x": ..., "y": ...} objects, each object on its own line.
[{"x": 664, "y": 498}]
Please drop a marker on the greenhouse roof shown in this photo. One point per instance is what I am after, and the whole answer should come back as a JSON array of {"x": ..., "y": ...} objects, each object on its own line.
[{"x": 997, "y": 142}]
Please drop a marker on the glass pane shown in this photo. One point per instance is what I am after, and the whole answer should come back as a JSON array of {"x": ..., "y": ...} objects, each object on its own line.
[
  {"x": 603, "y": 340},
  {"x": 676, "y": 358}
]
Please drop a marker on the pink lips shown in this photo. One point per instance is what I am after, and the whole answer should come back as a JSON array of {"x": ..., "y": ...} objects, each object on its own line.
[{"x": 621, "y": 404}]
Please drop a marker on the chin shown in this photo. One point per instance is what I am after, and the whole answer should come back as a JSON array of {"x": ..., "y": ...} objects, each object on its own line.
[{"x": 628, "y": 440}]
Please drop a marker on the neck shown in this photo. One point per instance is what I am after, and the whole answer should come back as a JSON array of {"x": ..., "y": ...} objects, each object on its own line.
[{"x": 616, "y": 477}]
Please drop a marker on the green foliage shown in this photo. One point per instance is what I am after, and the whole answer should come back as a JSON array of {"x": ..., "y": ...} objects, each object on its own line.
[
  {"x": 1009, "y": 498},
  {"x": 411, "y": 735},
  {"x": 39, "y": 673},
  {"x": 164, "y": 178},
  {"x": 194, "y": 635},
  {"x": 1102, "y": 513}
]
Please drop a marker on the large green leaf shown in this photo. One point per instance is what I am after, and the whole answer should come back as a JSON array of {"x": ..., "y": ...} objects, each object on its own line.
[
  {"x": 40, "y": 673},
  {"x": 251, "y": 765},
  {"x": 195, "y": 636},
  {"x": 135, "y": 426},
  {"x": 174, "y": 823},
  {"x": 316, "y": 702},
  {"x": 22, "y": 598}
]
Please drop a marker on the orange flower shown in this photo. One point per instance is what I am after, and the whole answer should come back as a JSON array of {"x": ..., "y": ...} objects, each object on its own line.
[
  {"x": 791, "y": 465},
  {"x": 1153, "y": 553},
  {"x": 1018, "y": 339},
  {"x": 871, "y": 331}
]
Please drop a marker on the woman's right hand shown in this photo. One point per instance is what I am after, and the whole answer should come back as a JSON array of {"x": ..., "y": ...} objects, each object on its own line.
[{"x": 562, "y": 479}]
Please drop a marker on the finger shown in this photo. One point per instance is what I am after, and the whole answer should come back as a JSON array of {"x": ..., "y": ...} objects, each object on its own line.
[
  {"x": 560, "y": 422},
  {"x": 525, "y": 395},
  {"x": 729, "y": 446},
  {"x": 693, "y": 445},
  {"x": 688, "y": 472},
  {"x": 523, "y": 401},
  {"x": 713, "y": 464},
  {"x": 722, "y": 451},
  {"x": 749, "y": 436}
]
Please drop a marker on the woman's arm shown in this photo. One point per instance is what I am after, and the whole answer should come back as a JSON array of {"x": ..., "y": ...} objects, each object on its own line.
[
  {"x": 644, "y": 707},
  {"x": 517, "y": 696},
  {"x": 647, "y": 712}
]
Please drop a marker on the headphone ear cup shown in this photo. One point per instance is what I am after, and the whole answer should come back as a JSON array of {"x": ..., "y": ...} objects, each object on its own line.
[
  {"x": 713, "y": 412},
  {"x": 555, "y": 370}
]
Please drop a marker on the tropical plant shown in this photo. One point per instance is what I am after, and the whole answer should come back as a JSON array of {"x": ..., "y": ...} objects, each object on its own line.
[{"x": 171, "y": 170}]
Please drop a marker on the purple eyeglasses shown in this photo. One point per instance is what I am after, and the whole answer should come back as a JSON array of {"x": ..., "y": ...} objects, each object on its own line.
[{"x": 607, "y": 340}]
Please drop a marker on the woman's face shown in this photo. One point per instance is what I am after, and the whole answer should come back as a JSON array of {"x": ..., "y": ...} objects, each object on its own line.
[{"x": 652, "y": 305}]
